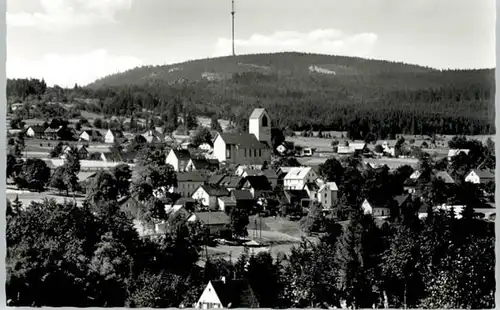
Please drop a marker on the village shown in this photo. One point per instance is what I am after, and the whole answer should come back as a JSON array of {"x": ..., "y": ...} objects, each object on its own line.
[{"x": 239, "y": 170}]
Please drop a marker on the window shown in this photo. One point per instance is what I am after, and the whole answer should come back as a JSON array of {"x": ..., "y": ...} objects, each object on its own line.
[
  {"x": 260, "y": 153},
  {"x": 245, "y": 150},
  {"x": 228, "y": 151},
  {"x": 264, "y": 121},
  {"x": 255, "y": 153}
]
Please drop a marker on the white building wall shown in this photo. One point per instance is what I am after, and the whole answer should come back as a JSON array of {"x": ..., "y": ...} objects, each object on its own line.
[
  {"x": 209, "y": 298},
  {"x": 472, "y": 177},
  {"x": 220, "y": 149},
  {"x": 172, "y": 160},
  {"x": 109, "y": 138}
]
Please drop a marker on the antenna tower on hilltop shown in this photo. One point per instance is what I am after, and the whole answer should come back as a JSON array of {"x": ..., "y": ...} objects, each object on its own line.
[{"x": 232, "y": 25}]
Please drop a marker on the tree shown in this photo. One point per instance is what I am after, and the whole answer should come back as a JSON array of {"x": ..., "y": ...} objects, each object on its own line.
[
  {"x": 202, "y": 135},
  {"x": 239, "y": 221},
  {"x": 57, "y": 150},
  {"x": 379, "y": 149},
  {"x": 102, "y": 188},
  {"x": 16, "y": 123},
  {"x": 34, "y": 175},
  {"x": 314, "y": 222},
  {"x": 122, "y": 175},
  {"x": 12, "y": 165},
  {"x": 214, "y": 124},
  {"x": 57, "y": 179},
  {"x": 277, "y": 137},
  {"x": 331, "y": 170},
  {"x": 157, "y": 290},
  {"x": 262, "y": 276}
]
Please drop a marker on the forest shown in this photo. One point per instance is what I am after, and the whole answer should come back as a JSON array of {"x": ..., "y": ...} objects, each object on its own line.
[{"x": 366, "y": 96}]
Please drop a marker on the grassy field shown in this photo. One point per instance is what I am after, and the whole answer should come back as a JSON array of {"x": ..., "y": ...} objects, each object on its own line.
[{"x": 27, "y": 197}]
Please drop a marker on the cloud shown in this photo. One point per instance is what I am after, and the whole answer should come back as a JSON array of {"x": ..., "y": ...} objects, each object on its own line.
[
  {"x": 322, "y": 41},
  {"x": 55, "y": 14},
  {"x": 66, "y": 70}
]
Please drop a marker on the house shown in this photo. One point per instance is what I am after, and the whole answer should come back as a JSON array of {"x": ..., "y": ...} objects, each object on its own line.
[
  {"x": 375, "y": 211},
  {"x": 178, "y": 159},
  {"x": 352, "y": 148},
  {"x": 36, "y": 132},
  {"x": 113, "y": 136},
  {"x": 187, "y": 182},
  {"x": 199, "y": 163},
  {"x": 225, "y": 203},
  {"x": 243, "y": 198},
  {"x": 216, "y": 179},
  {"x": 90, "y": 135},
  {"x": 327, "y": 195},
  {"x": 480, "y": 176},
  {"x": 312, "y": 189},
  {"x": 113, "y": 157},
  {"x": 187, "y": 202},
  {"x": 232, "y": 182},
  {"x": 297, "y": 177},
  {"x": 454, "y": 152},
  {"x": 241, "y": 169},
  {"x": 296, "y": 197},
  {"x": 401, "y": 201},
  {"x": 250, "y": 172},
  {"x": 207, "y": 194},
  {"x": 54, "y": 133},
  {"x": 153, "y": 136},
  {"x": 271, "y": 176},
  {"x": 444, "y": 176},
  {"x": 82, "y": 151},
  {"x": 246, "y": 148},
  {"x": 216, "y": 221},
  {"x": 177, "y": 210},
  {"x": 258, "y": 185},
  {"x": 16, "y": 106},
  {"x": 227, "y": 294}
]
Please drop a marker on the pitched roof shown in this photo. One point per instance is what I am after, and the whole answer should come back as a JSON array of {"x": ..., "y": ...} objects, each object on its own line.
[
  {"x": 212, "y": 218},
  {"x": 184, "y": 200},
  {"x": 295, "y": 195},
  {"x": 204, "y": 163},
  {"x": 313, "y": 186},
  {"x": 242, "y": 194},
  {"x": 485, "y": 173},
  {"x": 244, "y": 140},
  {"x": 50, "y": 130},
  {"x": 215, "y": 190},
  {"x": 259, "y": 182},
  {"x": 182, "y": 154},
  {"x": 331, "y": 185},
  {"x": 297, "y": 173},
  {"x": 228, "y": 200},
  {"x": 455, "y": 152},
  {"x": 231, "y": 181},
  {"x": 235, "y": 294},
  {"x": 191, "y": 176},
  {"x": 401, "y": 199},
  {"x": 445, "y": 176},
  {"x": 257, "y": 113},
  {"x": 116, "y": 133},
  {"x": 216, "y": 179},
  {"x": 37, "y": 129},
  {"x": 269, "y": 174},
  {"x": 92, "y": 133},
  {"x": 252, "y": 172}
]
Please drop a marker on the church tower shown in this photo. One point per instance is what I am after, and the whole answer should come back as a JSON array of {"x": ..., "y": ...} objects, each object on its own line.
[{"x": 259, "y": 125}]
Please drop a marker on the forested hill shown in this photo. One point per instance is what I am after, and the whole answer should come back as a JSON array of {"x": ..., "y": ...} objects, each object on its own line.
[
  {"x": 298, "y": 65},
  {"x": 305, "y": 91}
]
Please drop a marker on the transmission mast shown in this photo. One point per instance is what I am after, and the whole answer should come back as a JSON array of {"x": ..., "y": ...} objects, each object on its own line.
[{"x": 232, "y": 24}]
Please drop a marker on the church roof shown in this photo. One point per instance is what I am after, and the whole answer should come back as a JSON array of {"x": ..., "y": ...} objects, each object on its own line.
[{"x": 244, "y": 140}]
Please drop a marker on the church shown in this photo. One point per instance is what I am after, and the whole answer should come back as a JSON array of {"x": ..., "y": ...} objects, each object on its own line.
[{"x": 252, "y": 148}]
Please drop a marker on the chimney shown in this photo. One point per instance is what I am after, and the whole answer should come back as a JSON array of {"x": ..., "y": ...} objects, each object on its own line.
[{"x": 223, "y": 279}]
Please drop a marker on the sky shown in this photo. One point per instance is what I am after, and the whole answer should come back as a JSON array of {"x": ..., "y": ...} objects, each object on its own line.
[{"x": 77, "y": 41}]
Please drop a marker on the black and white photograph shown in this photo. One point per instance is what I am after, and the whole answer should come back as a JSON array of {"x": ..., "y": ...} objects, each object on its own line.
[{"x": 333, "y": 154}]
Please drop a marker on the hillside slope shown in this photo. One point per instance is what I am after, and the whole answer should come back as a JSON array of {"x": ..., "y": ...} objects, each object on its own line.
[{"x": 309, "y": 90}]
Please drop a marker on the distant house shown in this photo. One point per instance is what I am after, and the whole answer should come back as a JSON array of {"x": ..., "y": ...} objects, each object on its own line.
[
  {"x": 90, "y": 135},
  {"x": 271, "y": 176},
  {"x": 54, "y": 133},
  {"x": 153, "y": 136},
  {"x": 16, "y": 106},
  {"x": 415, "y": 175},
  {"x": 232, "y": 182},
  {"x": 455, "y": 152},
  {"x": 36, "y": 132},
  {"x": 114, "y": 157},
  {"x": 207, "y": 194},
  {"x": 375, "y": 211},
  {"x": 295, "y": 197},
  {"x": 312, "y": 189},
  {"x": 199, "y": 163},
  {"x": 297, "y": 177},
  {"x": 227, "y": 294},
  {"x": 82, "y": 151},
  {"x": 216, "y": 221},
  {"x": 401, "y": 201},
  {"x": 188, "y": 182},
  {"x": 113, "y": 136},
  {"x": 216, "y": 179},
  {"x": 328, "y": 195},
  {"x": 250, "y": 172},
  {"x": 480, "y": 176},
  {"x": 178, "y": 159},
  {"x": 445, "y": 177},
  {"x": 225, "y": 203},
  {"x": 258, "y": 185},
  {"x": 243, "y": 198},
  {"x": 352, "y": 148}
]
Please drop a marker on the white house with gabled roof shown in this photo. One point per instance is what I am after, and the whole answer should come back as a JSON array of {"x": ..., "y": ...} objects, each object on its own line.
[{"x": 298, "y": 177}]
